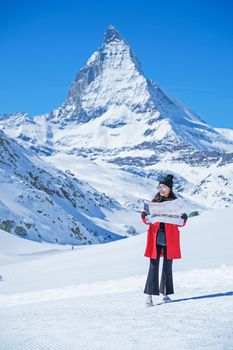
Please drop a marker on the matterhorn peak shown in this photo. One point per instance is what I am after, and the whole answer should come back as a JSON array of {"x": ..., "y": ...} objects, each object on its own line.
[
  {"x": 112, "y": 90},
  {"x": 111, "y": 34}
]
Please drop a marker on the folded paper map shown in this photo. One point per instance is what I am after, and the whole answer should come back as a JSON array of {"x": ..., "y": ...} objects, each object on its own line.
[{"x": 167, "y": 212}]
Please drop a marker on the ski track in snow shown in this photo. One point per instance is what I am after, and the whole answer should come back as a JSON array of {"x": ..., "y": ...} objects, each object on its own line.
[{"x": 112, "y": 315}]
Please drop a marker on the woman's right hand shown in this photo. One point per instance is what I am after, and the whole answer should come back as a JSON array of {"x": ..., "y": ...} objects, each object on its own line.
[{"x": 143, "y": 214}]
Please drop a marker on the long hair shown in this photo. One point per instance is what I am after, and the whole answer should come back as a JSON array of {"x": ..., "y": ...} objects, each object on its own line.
[{"x": 158, "y": 198}]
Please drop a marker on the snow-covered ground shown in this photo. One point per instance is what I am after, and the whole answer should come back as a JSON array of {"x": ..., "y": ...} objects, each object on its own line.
[{"x": 56, "y": 297}]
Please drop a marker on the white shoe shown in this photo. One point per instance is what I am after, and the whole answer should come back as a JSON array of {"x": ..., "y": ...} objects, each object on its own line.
[
  {"x": 149, "y": 300},
  {"x": 166, "y": 299}
]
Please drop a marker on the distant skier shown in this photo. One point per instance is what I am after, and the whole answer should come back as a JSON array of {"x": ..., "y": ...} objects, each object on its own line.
[{"x": 163, "y": 239}]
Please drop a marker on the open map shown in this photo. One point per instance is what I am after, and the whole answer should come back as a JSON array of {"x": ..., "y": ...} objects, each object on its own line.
[{"x": 167, "y": 212}]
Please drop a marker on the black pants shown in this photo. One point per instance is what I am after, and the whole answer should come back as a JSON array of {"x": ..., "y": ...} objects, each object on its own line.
[{"x": 152, "y": 283}]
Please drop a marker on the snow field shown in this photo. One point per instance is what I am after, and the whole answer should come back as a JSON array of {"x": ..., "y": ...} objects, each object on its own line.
[
  {"x": 92, "y": 297},
  {"x": 112, "y": 315}
]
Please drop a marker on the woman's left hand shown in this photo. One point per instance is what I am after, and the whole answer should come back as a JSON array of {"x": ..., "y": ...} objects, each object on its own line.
[{"x": 184, "y": 216}]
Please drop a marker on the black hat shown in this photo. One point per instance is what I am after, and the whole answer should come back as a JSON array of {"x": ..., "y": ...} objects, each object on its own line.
[{"x": 167, "y": 180}]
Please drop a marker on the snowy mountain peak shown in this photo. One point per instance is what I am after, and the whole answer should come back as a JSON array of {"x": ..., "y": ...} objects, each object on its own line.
[
  {"x": 111, "y": 92},
  {"x": 112, "y": 79},
  {"x": 111, "y": 34},
  {"x": 111, "y": 76}
]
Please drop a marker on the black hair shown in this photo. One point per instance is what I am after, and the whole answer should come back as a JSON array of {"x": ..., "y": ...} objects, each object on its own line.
[{"x": 158, "y": 198}]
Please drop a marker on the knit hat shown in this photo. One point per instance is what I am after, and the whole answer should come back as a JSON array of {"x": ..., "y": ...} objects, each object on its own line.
[{"x": 167, "y": 180}]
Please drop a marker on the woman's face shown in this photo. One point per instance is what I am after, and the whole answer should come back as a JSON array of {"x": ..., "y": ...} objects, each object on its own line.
[{"x": 164, "y": 190}]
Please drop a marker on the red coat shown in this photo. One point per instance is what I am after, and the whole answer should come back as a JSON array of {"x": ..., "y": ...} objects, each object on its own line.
[{"x": 172, "y": 240}]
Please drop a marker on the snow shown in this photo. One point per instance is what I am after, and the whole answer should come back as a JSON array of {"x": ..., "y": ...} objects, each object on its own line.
[
  {"x": 137, "y": 187},
  {"x": 212, "y": 184},
  {"x": 99, "y": 133},
  {"x": 228, "y": 133},
  {"x": 15, "y": 249},
  {"x": 93, "y": 57},
  {"x": 111, "y": 83},
  {"x": 42, "y": 203},
  {"x": 92, "y": 297}
]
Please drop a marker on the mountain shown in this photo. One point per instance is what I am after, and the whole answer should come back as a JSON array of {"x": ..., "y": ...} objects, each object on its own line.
[
  {"x": 111, "y": 94},
  {"x": 111, "y": 98},
  {"x": 228, "y": 133},
  {"x": 42, "y": 203},
  {"x": 116, "y": 117}
]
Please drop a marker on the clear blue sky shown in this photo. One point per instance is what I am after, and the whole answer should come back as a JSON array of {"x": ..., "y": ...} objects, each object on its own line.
[{"x": 185, "y": 46}]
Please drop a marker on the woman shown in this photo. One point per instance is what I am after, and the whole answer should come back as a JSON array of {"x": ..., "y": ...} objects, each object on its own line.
[{"x": 162, "y": 240}]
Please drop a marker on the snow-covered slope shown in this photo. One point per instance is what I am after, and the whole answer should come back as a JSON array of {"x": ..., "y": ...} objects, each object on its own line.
[
  {"x": 92, "y": 297},
  {"x": 42, "y": 203},
  {"x": 124, "y": 258},
  {"x": 205, "y": 186}
]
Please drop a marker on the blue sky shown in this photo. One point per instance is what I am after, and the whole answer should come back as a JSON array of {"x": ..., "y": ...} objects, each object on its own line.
[{"x": 185, "y": 46}]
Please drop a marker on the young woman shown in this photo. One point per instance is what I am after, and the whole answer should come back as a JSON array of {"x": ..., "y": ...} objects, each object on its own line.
[{"x": 162, "y": 240}]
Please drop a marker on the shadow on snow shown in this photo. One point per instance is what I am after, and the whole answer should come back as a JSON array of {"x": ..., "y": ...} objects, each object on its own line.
[{"x": 217, "y": 295}]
